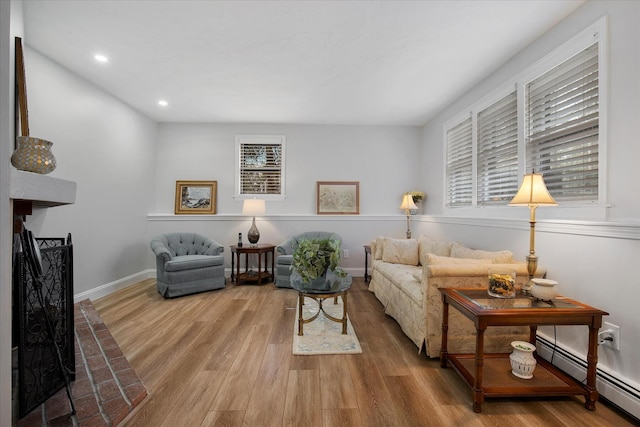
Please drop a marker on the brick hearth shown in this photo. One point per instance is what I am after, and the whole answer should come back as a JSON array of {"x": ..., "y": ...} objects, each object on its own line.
[{"x": 106, "y": 388}]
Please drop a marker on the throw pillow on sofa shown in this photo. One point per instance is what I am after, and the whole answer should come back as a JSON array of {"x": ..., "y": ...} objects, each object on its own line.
[
  {"x": 429, "y": 246},
  {"x": 379, "y": 242},
  {"x": 400, "y": 251},
  {"x": 458, "y": 250}
]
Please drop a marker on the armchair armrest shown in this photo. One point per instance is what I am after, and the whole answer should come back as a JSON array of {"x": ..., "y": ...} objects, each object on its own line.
[
  {"x": 213, "y": 248},
  {"x": 286, "y": 247},
  {"x": 161, "y": 251}
]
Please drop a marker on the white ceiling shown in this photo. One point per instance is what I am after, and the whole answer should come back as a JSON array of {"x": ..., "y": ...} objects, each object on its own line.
[{"x": 313, "y": 62}]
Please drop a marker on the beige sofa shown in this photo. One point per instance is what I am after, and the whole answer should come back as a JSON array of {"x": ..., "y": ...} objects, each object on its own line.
[{"x": 406, "y": 275}]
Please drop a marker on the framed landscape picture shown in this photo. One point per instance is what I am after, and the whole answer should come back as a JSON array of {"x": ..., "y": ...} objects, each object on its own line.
[
  {"x": 338, "y": 198},
  {"x": 196, "y": 197}
]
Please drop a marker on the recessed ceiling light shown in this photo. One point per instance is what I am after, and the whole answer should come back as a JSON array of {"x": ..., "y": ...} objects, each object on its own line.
[
  {"x": 163, "y": 103},
  {"x": 101, "y": 58}
]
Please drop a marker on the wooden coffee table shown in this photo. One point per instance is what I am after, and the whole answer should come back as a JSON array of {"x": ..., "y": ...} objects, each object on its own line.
[{"x": 489, "y": 375}]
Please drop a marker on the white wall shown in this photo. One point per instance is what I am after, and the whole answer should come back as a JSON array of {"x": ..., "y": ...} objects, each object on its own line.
[
  {"x": 108, "y": 149},
  {"x": 383, "y": 159},
  {"x": 593, "y": 260}
]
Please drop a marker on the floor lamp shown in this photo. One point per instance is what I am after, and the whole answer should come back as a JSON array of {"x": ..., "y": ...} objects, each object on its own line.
[
  {"x": 407, "y": 205},
  {"x": 532, "y": 193}
]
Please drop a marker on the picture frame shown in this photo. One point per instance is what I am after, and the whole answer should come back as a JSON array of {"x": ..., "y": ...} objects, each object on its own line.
[
  {"x": 338, "y": 197},
  {"x": 196, "y": 197}
]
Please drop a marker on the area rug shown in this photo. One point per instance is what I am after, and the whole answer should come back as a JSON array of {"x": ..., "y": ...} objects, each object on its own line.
[{"x": 324, "y": 336}]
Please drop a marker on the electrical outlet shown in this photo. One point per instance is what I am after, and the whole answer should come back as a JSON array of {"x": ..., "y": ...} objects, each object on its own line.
[
  {"x": 609, "y": 335},
  {"x": 345, "y": 253}
]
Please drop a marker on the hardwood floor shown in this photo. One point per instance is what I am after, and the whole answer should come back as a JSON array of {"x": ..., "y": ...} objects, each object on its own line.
[{"x": 223, "y": 358}]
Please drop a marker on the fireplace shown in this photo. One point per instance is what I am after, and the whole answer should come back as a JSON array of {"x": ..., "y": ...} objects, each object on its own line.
[{"x": 43, "y": 322}]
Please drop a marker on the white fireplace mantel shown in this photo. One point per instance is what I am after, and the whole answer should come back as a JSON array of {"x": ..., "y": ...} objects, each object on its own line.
[{"x": 41, "y": 190}]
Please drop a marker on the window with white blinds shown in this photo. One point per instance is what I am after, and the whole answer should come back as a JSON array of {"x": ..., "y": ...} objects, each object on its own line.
[
  {"x": 547, "y": 119},
  {"x": 459, "y": 172},
  {"x": 497, "y": 153},
  {"x": 260, "y": 166},
  {"x": 562, "y": 129}
]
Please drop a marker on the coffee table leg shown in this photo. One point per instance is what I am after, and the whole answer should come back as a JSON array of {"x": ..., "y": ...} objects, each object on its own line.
[
  {"x": 344, "y": 313},
  {"x": 300, "y": 304}
]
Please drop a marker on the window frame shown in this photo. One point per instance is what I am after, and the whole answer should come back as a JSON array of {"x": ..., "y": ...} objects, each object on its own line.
[
  {"x": 595, "y": 33},
  {"x": 267, "y": 140}
]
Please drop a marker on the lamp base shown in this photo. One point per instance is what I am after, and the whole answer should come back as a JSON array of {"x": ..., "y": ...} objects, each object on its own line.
[{"x": 253, "y": 235}]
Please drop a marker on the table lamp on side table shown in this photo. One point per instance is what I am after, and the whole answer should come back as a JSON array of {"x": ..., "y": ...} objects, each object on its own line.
[
  {"x": 253, "y": 207},
  {"x": 533, "y": 193}
]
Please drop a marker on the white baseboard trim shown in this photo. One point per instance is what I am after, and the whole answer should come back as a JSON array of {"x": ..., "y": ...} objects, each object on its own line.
[
  {"x": 618, "y": 390},
  {"x": 125, "y": 282},
  {"x": 109, "y": 288}
]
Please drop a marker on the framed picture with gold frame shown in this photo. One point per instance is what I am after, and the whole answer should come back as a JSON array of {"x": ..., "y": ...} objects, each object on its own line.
[
  {"x": 338, "y": 197},
  {"x": 196, "y": 197}
]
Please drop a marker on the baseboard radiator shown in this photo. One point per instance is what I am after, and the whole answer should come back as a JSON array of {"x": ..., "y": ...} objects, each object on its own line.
[{"x": 618, "y": 391}]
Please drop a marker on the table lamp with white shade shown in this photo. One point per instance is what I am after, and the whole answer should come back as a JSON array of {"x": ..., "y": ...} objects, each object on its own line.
[
  {"x": 532, "y": 193},
  {"x": 253, "y": 207}
]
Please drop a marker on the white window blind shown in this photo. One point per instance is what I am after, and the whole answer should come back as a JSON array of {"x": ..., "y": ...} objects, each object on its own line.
[
  {"x": 261, "y": 166},
  {"x": 459, "y": 174},
  {"x": 562, "y": 129},
  {"x": 497, "y": 154}
]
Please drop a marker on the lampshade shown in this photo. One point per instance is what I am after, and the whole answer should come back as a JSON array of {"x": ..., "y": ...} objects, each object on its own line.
[
  {"x": 253, "y": 207},
  {"x": 407, "y": 202},
  {"x": 533, "y": 191}
]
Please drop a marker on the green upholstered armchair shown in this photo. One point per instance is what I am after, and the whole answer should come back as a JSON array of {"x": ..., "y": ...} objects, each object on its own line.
[
  {"x": 187, "y": 263},
  {"x": 285, "y": 253}
]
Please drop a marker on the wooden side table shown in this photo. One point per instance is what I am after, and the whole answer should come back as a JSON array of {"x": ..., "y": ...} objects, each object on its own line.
[
  {"x": 367, "y": 252},
  {"x": 262, "y": 275},
  {"x": 489, "y": 375}
]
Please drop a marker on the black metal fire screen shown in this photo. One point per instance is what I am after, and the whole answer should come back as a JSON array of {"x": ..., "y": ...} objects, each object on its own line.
[{"x": 43, "y": 305}]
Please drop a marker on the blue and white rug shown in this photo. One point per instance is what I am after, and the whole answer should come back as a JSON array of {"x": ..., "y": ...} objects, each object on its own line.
[{"x": 324, "y": 336}]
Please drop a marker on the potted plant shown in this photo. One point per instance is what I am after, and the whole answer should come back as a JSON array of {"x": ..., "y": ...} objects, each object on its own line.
[{"x": 312, "y": 258}]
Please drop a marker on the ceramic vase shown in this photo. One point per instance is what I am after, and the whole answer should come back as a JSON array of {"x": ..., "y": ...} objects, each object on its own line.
[
  {"x": 522, "y": 360},
  {"x": 33, "y": 155}
]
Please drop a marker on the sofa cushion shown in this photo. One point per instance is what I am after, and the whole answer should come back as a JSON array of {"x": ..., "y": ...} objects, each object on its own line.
[
  {"x": 437, "y": 247},
  {"x": 189, "y": 262},
  {"x": 407, "y": 278},
  {"x": 400, "y": 251},
  {"x": 458, "y": 250},
  {"x": 435, "y": 259}
]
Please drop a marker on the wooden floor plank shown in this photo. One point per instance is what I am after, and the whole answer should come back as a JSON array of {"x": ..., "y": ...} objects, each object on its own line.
[
  {"x": 223, "y": 358},
  {"x": 302, "y": 402},
  {"x": 240, "y": 380},
  {"x": 266, "y": 406},
  {"x": 336, "y": 386}
]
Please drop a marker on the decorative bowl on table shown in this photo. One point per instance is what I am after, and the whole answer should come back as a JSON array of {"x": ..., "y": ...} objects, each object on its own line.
[
  {"x": 543, "y": 289},
  {"x": 502, "y": 283}
]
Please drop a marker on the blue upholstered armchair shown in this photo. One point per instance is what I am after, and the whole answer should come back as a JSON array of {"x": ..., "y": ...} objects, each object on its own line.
[
  {"x": 285, "y": 254},
  {"x": 187, "y": 263}
]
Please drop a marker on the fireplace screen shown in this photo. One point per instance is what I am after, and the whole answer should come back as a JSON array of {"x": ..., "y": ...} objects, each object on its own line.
[{"x": 39, "y": 371}]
